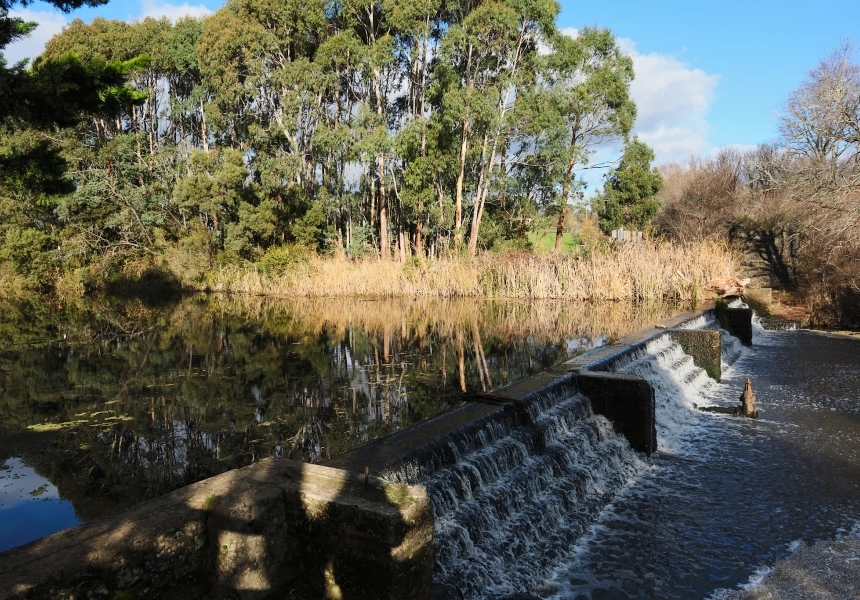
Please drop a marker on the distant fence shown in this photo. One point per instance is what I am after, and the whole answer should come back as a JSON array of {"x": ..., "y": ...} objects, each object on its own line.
[{"x": 622, "y": 235}]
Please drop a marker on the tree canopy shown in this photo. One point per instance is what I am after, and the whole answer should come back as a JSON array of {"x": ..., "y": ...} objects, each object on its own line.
[
  {"x": 392, "y": 128},
  {"x": 629, "y": 192}
]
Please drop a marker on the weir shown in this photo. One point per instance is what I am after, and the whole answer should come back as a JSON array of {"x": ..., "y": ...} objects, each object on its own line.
[{"x": 469, "y": 502}]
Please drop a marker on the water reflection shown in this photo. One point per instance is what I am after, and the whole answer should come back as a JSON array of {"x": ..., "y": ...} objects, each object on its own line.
[
  {"x": 115, "y": 402},
  {"x": 30, "y": 505}
]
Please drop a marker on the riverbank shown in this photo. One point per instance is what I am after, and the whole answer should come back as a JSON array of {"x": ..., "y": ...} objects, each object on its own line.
[{"x": 654, "y": 271}]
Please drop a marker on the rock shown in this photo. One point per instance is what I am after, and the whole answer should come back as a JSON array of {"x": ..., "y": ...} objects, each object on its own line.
[{"x": 727, "y": 286}]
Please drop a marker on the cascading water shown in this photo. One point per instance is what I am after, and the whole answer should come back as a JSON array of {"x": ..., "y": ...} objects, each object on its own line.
[
  {"x": 511, "y": 497},
  {"x": 513, "y": 493},
  {"x": 677, "y": 381}
]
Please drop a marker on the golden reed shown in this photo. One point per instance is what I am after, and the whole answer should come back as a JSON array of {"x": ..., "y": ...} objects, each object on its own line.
[{"x": 652, "y": 272}]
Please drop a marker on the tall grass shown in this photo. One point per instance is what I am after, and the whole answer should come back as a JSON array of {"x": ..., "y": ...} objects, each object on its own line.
[{"x": 652, "y": 272}]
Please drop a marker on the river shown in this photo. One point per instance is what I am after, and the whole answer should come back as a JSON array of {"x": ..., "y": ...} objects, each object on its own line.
[
  {"x": 104, "y": 403},
  {"x": 734, "y": 494}
]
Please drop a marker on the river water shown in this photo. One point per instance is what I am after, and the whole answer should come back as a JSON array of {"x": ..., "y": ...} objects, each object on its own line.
[
  {"x": 106, "y": 403},
  {"x": 730, "y": 496},
  {"x": 113, "y": 404}
]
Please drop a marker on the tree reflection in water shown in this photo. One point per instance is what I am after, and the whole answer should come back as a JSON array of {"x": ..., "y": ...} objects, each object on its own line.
[{"x": 117, "y": 401}]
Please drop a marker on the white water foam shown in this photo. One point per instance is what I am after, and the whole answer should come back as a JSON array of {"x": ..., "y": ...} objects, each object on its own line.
[
  {"x": 510, "y": 510},
  {"x": 679, "y": 385}
]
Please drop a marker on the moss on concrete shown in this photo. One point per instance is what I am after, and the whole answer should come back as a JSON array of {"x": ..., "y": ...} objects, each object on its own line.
[{"x": 704, "y": 346}]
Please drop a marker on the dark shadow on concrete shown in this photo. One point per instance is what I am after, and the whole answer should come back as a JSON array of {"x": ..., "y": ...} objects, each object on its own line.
[{"x": 269, "y": 530}]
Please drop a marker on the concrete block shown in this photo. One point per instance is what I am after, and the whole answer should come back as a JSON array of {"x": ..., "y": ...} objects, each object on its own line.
[
  {"x": 263, "y": 531},
  {"x": 626, "y": 401},
  {"x": 373, "y": 541},
  {"x": 252, "y": 547},
  {"x": 738, "y": 322},
  {"x": 704, "y": 346}
]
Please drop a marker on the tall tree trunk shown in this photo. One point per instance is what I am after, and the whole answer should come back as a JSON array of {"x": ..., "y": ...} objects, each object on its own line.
[
  {"x": 487, "y": 167},
  {"x": 565, "y": 193},
  {"x": 481, "y": 195},
  {"x": 559, "y": 231},
  {"x": 136, "y": 136},
  {"x": 458, "y": 201},
  {"x": 204, "y": 134},
  {"x": 153, "y": 122},
  {"x": 384, "y": 242},
  {"x": 419, "y": 234}
]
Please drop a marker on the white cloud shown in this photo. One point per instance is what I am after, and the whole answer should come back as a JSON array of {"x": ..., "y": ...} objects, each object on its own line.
[
  {"x": 174, "y": 12},
  {"x": 50, "y": 22},
  {"x": 673, "y": 101}
]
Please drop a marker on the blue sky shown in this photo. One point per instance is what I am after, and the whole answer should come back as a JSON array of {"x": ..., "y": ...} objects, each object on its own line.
[{"x": 709, "y": 74}]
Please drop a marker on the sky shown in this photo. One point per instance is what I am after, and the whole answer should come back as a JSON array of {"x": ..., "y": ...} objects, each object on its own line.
[{"x": 709, "y": 75}]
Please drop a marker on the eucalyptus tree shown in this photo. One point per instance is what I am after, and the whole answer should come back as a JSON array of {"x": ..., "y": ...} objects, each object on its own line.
[
  {"x": 587, "y": 84},
  {"x": 257, "y": 57},
  {"x": 486, "y": 61},
  {"x": 339, "y": 61},
  {"x": 417, "y": 28},
  {"x": 188, "y": 92},
  {"x": 372, "y": 25},
  {"x": 167, "y": 83}
]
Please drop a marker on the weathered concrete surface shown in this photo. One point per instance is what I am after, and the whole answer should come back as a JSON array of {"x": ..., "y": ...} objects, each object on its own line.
[
  {"x": 380, "y": 453},
  {"x": 605, "y": 357},
  {"x": 828, "y": 570},
  {"x": 738, "y": 322},
  {"x": 384, "y": 452},
  {"x": 704, "y": 346},
  {"x": 248, "y": 533},
  {"x": 627, "y": 401}
]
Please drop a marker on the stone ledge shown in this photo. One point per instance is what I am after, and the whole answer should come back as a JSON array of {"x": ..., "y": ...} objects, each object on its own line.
[
  {"x": 600, "y": 359},
  {"x": 245, "y": 533}
]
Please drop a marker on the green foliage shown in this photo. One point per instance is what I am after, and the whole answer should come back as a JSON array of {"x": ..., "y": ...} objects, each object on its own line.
[
  {"x": 56, "y": 92},
  {"x": 341, "y": 127},
  {"x": 310, "y": 230},
  {"x": 278, "y": 259},
  {"x": 629, "y": 193},
  {"x": 29, "y": 251}
]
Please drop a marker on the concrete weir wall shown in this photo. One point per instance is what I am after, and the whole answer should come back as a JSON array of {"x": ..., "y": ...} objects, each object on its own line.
[
  {"x": 628, "y": 401},
  {"x": 249, "y": 533},
  {"x": 280, "y": 528}
]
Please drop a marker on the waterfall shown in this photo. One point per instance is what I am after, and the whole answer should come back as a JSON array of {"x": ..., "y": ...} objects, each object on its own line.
[
  {"x": 512, "y": 492},
  {"x": 512, "y": 495}
]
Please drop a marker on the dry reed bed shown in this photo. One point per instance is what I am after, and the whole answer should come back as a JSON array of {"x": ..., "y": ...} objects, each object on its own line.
[{"x": 655, "y": 271}]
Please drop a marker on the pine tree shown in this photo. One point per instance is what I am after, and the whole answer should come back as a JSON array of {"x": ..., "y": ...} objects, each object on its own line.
[{"x": 629, "y": 192}]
